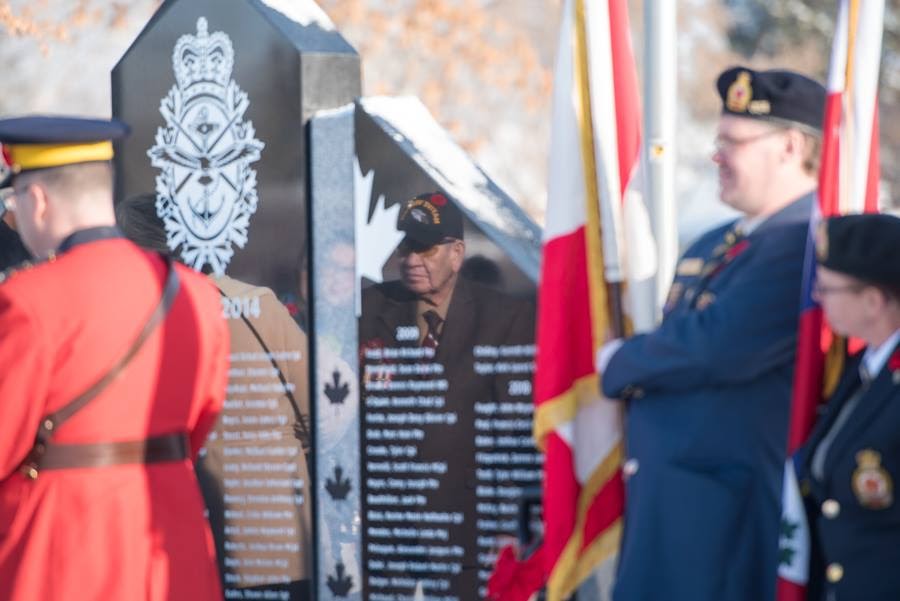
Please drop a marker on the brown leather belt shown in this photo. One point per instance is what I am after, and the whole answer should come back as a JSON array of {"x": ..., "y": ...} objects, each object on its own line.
[{"x": 156, "y": 449}]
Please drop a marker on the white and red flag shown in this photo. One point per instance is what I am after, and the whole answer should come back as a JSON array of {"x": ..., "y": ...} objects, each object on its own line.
[
  {"x": 594, "y": 153},
  {"x": 848, "y": 183}
]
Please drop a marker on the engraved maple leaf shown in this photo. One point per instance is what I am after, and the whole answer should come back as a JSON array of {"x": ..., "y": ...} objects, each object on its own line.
[
  {"x": 336, "y": 391},
  {"x": 379, "y": 235},
  {"x": 338, "y": 486},
  {"x": 341, "y": 582}
]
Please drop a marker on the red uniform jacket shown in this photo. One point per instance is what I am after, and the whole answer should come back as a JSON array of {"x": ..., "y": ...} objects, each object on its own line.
[{"x": 131, "y": 532}]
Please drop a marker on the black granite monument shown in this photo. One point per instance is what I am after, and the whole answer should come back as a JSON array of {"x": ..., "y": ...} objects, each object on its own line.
[
  {"x": 218, "y": 94},
  {"x": 445, "y": 426},
  {"x": 405, "y": 459}
]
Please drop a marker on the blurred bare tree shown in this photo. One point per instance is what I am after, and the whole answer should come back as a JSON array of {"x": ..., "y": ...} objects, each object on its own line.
[
  {"x": 483, "y": 68},
  {"x": 773, "y": 28},
  {"x": 46, "y": 21}
]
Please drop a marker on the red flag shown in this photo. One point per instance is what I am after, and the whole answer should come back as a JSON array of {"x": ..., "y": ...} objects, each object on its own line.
[
  {"x": 848, "y": 183},
  {"x": 594, "y": 153}
]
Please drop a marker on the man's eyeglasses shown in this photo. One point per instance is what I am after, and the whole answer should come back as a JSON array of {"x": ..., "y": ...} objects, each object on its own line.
[
  {"x": 727, "y": 143},
  {"x": 7, "y": 201}
]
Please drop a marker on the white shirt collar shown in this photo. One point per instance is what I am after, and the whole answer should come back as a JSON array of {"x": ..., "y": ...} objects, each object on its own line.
[
  {"x": 875, "y": 358},
  {"x": 748, "y": 224}
]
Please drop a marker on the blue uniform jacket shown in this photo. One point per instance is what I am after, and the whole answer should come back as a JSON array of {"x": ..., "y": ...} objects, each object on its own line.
[
  {"x": 706, "y": 424},
  {"x": 853, "y": 511}
]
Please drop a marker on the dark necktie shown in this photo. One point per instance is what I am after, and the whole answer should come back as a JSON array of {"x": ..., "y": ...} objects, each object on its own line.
[{"x": 432, "y": 335}]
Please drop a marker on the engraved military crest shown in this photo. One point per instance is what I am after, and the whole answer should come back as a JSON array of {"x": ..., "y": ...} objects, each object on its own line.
[{"x": 206, "y": 189}]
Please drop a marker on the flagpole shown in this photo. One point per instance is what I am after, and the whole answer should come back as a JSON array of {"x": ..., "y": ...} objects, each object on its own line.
[{"x": 660, "y": 111}]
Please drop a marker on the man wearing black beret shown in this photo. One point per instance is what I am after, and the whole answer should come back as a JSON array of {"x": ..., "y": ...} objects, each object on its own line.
[
  {"x": 709, "y": 390},
  {"x": 852, "y": 458}
]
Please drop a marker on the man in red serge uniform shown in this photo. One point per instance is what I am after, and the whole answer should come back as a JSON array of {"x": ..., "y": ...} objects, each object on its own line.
[{"x": 114, "y": 366}]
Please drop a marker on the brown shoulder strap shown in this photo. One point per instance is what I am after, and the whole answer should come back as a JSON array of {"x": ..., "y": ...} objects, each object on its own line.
[
  {"x": 301, "y": 424},
  {"x": 52, "y": 421}
]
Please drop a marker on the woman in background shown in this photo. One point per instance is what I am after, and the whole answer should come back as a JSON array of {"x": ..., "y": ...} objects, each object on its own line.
[{"x": 853, "y": 455}]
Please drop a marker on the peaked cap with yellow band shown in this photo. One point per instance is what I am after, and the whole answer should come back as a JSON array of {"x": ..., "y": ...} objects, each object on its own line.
[
  {"x": 776, "y": 95},
  {"x": 39, "y": 142}
]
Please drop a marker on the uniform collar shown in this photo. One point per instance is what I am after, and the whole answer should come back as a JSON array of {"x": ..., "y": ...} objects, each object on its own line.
[
  {"x": 798, "y": 210},
  {"x": 91, "y": 234},
  {"x": 875, "y": 358},
  {"x": 747, "y": 225}
]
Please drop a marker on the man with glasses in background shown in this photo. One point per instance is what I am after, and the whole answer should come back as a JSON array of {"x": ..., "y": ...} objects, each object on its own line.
[
  {"x": 708, "y": 392},
  {"x": 850, "y": 462},
  {"x": 429, "y": 323},
  {"x": 432, "y": 305}
]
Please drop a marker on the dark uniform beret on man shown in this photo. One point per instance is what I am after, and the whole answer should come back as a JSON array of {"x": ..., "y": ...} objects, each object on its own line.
[
  {"x": 865, "y": 246},
  {"x": 779, "y": 96},
  {"x": 430, "y": 218},
  {"x": 708, "y": 400}
]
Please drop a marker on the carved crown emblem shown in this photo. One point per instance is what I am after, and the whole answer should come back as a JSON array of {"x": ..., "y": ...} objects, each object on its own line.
[
  {"x": 206, "y": 187},
  {"x": 202, "y": 62}
]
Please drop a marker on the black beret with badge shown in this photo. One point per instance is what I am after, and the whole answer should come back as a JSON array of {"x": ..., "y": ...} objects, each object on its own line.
[
  {"x": 430, "y": 218},
  {"x": 42, "y": 141},
  {"x": 776, "y": 95},
  {"x": 864, "y": 246}
]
